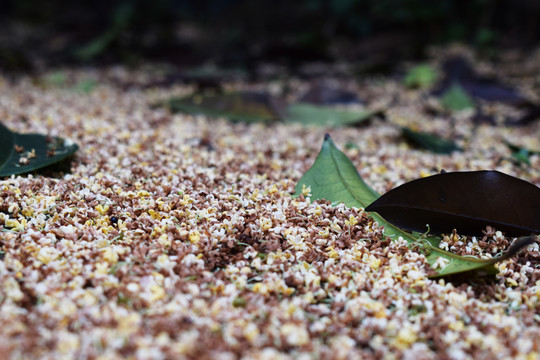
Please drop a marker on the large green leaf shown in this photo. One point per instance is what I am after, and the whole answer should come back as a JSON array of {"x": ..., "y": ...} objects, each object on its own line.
[
  {"x": 334, "y": 177},
  {"x": 22, "y": 153},
  {"x": 308, "y": 114}
]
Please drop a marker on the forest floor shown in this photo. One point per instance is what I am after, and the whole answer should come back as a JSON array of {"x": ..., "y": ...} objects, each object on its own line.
[{"x": 177, "y": 236}]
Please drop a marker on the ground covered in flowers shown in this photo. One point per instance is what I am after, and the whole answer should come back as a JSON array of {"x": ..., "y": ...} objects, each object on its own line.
[{"x": 176, "y": 236}]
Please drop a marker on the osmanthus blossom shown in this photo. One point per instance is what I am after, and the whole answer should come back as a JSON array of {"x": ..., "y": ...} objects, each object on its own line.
[{"x": 155, "y": 246}]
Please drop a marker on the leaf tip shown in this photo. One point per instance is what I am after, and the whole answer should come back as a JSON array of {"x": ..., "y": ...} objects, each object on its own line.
[
  {"x": 372, "y": 207},
  {"x": 516, "y": 247}
]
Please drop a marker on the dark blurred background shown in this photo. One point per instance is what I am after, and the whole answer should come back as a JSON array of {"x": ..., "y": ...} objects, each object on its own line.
[{"x": 245, "y": 33}]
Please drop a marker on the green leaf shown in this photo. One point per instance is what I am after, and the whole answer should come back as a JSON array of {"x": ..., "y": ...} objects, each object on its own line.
[
  {"x": 351, "y": 145},
  {"x": 421, "y": 76},
  {"x": 85, "y": 86},
  {"x": 241, "y": 106},
  {"x": 308, "y": 114},
  {"x": 57, "y": 79},
  {"x": 429, "y": 141},
  {"x": 521, "y": 154},
  {"x": 261, "y": 107},
  {"x": 456, "y": 99},
  {"x": 22, "y": 153},
  {"x": 122, "y": 16},
  {"x": 334, "y": 177}
]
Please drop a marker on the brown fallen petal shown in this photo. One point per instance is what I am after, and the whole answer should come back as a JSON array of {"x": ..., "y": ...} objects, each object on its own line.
[{"x": 466, "y": 201}]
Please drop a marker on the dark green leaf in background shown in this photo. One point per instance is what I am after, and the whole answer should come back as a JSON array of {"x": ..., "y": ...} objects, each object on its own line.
[
  {"x": 121, "y": 18},
  {"x": 22, "y": 153},
  {"x": 429, "y": 141},
  {"x": 521, "y": 154}
]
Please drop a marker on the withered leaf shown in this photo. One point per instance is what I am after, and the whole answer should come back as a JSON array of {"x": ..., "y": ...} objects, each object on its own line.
[
  {"x": 467, "y": 201},
  {"x": 458, "y": 70}
]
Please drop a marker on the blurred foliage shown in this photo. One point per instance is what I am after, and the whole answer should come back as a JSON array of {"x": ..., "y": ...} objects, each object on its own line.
[
  {"x": 241, "y": 31},
  {"x": 253, "y": 107},
  {"x": 430, "y": 142},
  {"x": 421, "y": 76},
  {"x": 456, "y": 99}
]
